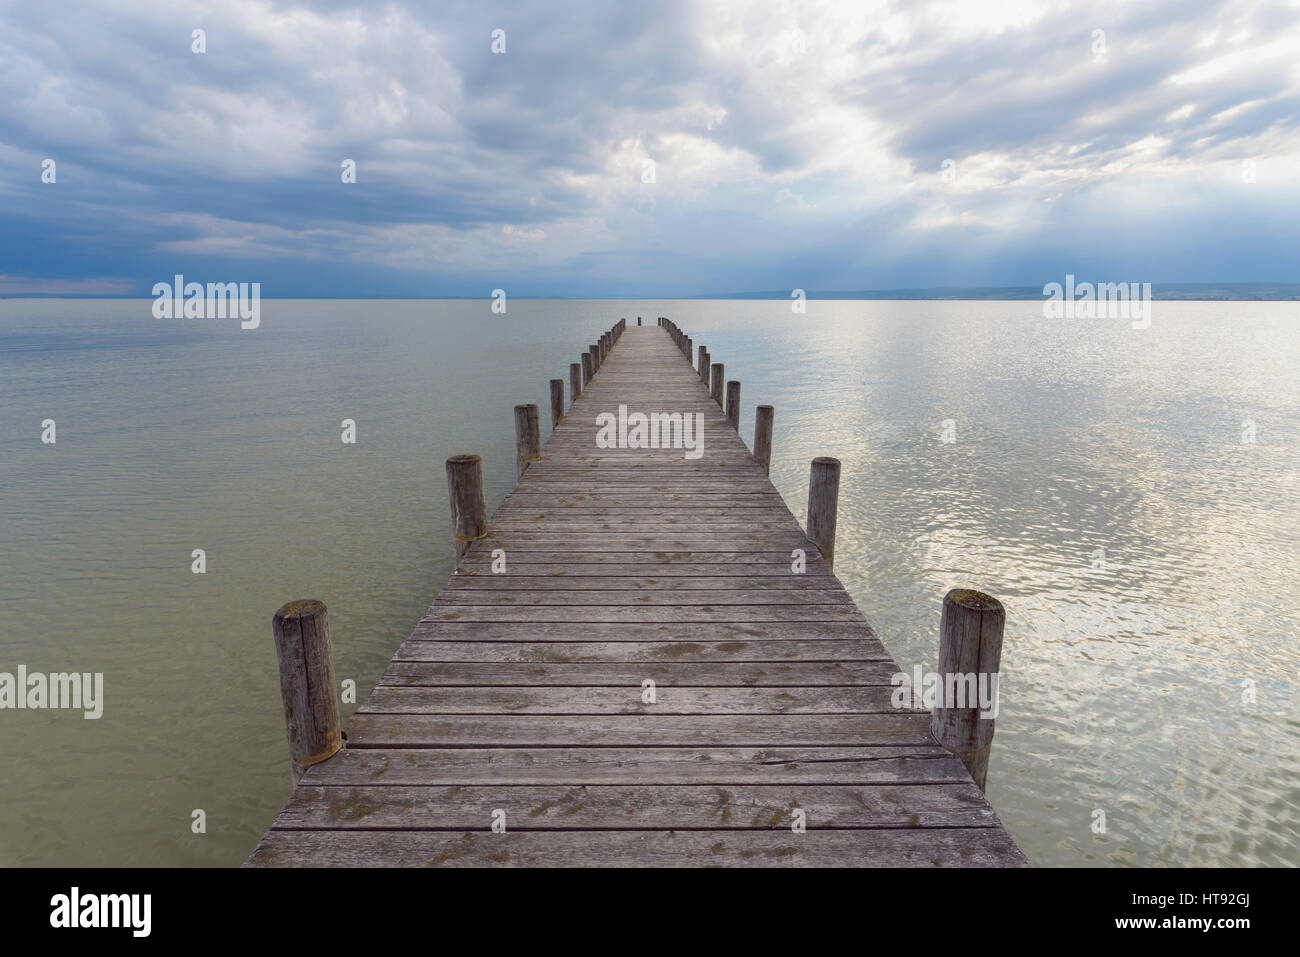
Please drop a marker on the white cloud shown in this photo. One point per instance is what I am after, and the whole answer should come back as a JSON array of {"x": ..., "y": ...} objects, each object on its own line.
[{"x": 787, "y": 124}]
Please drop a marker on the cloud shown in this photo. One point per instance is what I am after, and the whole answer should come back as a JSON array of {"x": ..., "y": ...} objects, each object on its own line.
[{"x": 801, "y": 141}]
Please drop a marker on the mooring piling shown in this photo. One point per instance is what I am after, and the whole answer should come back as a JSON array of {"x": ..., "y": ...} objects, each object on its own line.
[
  {"x": 763, "y": 415},
  {"x": 733, "y": 404},
  {"x": 557, "y": 402},
  {"x": 970, "y": 652},
  {"x": 528, "y": 441},
  {"x": 823, "y": 500},
  {"x": 311, "y": 706},
  {"x": 468, "y": 504}
]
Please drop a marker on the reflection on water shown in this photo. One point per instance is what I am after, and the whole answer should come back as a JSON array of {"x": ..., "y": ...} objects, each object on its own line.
[{"x": 1097, "y": 482}]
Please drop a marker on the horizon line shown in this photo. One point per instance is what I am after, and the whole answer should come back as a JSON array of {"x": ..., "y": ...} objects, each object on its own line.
[{"x": 1265, "y": 291}]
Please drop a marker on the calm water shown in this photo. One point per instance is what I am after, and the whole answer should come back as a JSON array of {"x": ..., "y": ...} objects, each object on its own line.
[{"x": 1123, "y": 670}]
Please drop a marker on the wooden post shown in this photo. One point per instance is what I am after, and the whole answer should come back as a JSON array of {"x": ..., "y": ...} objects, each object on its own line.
[
  {"x": 638, "y": 320},
  {"x": 687, "y": 348},
  {"x": 704, "y": 364},
  {"x": 528, "y": 439},
  {"x": 557, "y": 402},
  {"x": 575, "y": 380},
  {"x": 311, "y": 704},
  {"x": 468, "y": 507},
  {"x": 733, "y": 404},
  {"x": 715, "y": 389},
  {"x": 595, "y": 359},
  {"x": 586, "y": 369},
  {"x": 823, "y": 498},
  {"x": 970, "y": 644},
  {"x": 763, "y": 415}
]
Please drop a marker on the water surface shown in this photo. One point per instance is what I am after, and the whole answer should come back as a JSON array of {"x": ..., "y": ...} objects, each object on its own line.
[{"x": 1123, "y": 669}]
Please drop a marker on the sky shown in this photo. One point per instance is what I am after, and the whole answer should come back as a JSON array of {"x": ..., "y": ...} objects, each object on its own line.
[{"x": 645, "y": 149}]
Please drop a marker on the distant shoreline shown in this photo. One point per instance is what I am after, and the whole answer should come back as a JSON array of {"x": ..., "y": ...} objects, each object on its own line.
[{"x": 1183, "y": 292}]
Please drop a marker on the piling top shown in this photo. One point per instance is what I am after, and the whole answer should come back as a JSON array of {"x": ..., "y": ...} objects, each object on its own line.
[
  {"x": 463, "y": 459},
  {"x": 974, "y": 600},
  {"x": 303, "y": 608},
  {"x": 823, "y": 459}
]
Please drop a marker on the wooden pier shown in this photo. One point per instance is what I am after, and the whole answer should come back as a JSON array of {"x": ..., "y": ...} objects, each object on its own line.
[{"x": 644, "y": 678}]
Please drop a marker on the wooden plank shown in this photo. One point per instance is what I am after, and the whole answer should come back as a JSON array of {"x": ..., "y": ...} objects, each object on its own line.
[
  {"x": 627, "y": 700},
  {"x": 650, "y": 500},
  {"x": 591, "y": 478},
  {"x": 703, "y": 523},
  {"x": 673, "y": 539},
  {"x": 524, "y": 580},
  {"x": 876, "y": 764},
  {"x": 710, "y": 513},
  {"x": 526, "y": 564},
  {"x": 636, "y": 807},
  {"x": 693, "y": 652},
  {"x": 631, "y": 730},
  {"x": 924, "y": 763},
  {"x": 915, "y": 847},
  {"x": 642, "y": 598},
  {"x": 661, "y": 560},
  {"x": 683, "y": 614},
  {"x": 438, "y": 629},
  {"x": 605, "y": 674}
]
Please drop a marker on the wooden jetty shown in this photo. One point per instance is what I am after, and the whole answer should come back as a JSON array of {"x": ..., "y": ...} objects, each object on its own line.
[{"x": 628, "y": 668}]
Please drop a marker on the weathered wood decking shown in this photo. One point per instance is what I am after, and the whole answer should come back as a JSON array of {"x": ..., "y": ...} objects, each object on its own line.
[{"x": 522, "y": 693}]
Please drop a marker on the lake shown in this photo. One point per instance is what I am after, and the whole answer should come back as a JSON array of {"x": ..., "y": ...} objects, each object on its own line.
[{"x": 1130, "y": 495}]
